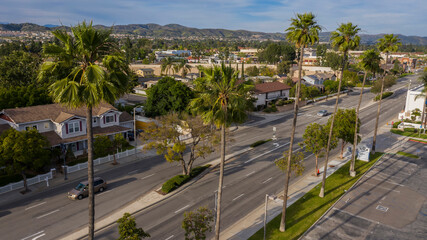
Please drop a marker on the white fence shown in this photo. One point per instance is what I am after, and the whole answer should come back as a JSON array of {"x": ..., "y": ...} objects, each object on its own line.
[{"x": 49, "y": 175}]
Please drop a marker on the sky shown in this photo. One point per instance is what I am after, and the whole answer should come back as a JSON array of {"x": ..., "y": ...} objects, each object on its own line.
[{"x": 372, "y": 16}]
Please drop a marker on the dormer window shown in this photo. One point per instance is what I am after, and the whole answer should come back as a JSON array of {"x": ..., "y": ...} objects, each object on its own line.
[
  {"x": 109, "y": 119},
  {"x": 74, "y": 127}
]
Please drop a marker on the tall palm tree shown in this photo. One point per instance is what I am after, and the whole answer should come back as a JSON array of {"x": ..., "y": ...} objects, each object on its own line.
[
  {"x": 221, "y": 101},
  {"x": 94, "y": 75},
  {"x": 389, "y": 43},
  {"x": 303, "y": 31},
  {"x": 167, "y": 65},
  {"x": 369, "y": 62},
  {"x": 346, "y": 39},
  {"x": 183, "y": 67}
]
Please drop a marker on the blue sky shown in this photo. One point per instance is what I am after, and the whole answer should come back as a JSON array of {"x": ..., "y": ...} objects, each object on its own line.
[{"x": 373, "y": 16}]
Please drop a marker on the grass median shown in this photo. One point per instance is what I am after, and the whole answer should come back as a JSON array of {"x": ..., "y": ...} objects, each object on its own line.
[
  {"x": 407, "y": 154},
  {"x": 309, "y": 208}
]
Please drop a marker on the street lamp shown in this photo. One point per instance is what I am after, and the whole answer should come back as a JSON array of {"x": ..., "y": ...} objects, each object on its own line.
[{"x": 271, "y": 197}]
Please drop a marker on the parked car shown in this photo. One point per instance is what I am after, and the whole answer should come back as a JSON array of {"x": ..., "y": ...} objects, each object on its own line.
[
  {"x": 82, "y": 191},
  {"x": 322, "y": 113}
]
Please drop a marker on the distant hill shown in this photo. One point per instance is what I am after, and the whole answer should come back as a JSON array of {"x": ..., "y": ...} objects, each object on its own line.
[{"x": 179, "y": 31}]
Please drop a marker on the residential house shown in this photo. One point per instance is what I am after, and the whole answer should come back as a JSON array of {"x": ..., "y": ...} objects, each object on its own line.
[
  {"x": 67, "y": 126},
  {"x": 318, "y": 79},
  {"x": 269, "y": 91},
  {"x": 145, "y": 72}
]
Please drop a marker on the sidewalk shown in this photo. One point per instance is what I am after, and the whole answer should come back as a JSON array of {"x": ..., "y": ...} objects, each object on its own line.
[{"x": 251, "y": 223}]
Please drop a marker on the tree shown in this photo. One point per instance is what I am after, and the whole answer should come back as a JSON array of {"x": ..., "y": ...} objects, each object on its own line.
[
  {"x": 252, "y": 71},
  {"x": 21, "y": 152},
  {"x": 167, "y": 138},
  {"x": 183, "y": 67},
  {"x": 276, "y": 52},
  {"x": 303, "y": 31},
  {"x": 221, "y": 101},
  {"x": 102, "y": 146},
  {"x": 316, "y": 140},
  {"x": 168, "y": 95},
  {"x": 344, "y": 129},
  {"x": 369, "y": 62},
  {"x": 196, "y": 224},
  {"x": 24, "y": 96},
  {"x": 266, "y": 71},
  {"x": 283, "y": 67},
  {"x": 389, "y": 43},
  {"x": 18, "y": 69},
  {"x": 128, "y": 230},
  {"x": 118, "y": 143},
  {"x": 332, "y": 60},
  {"x": 346, "y": 39},
  {"x": 423, "y": 79},
  {"x": 386, "y": 82},
  {"x": 96, "y": 72},
  {"x": 167, "y": 65},
  {"x": 296, "y": 165},
  {"x": 415, "y": 113},
  {"x": 321, "y": 51}
]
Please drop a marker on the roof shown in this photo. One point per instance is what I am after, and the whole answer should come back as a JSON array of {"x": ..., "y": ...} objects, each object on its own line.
[
  {"x": 125, "y": 117},
  {"x": 270, "y": 87},
  {"x": 55, "y": 112}
]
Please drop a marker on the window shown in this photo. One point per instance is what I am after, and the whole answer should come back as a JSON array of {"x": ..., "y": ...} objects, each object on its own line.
[
  {"x": 109, "y": 119},
  {"x": 73, "y": 127}
]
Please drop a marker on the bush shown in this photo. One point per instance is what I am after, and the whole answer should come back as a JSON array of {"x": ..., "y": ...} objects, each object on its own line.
[
  {"x": 197, "y": 170},
  {"x": 385, "y": 95},
  {"x": 396, "y": 124},
  {"x": 410, "y": 130},
  {"x": 281, "y": 102},
  {"x": 289, "y": 101},
  {"x": 174, "y": 183},
  {"x": 260, "y": 142}
]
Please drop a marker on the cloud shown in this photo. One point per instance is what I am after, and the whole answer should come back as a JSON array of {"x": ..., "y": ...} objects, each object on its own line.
[{"x": 379, "y": 16}]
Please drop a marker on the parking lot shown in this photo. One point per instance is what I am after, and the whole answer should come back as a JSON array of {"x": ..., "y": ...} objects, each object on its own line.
[{"x": 389, "y": 202}]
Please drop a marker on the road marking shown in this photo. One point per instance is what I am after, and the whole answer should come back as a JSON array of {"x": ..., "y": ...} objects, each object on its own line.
[
  {"x": 28, "y": 208},
  {"x": 179, "y": 210},
  {"x": 250, "y": 160},
  {"x": 170, "y": 237},
  {"x": 238, "y": 196},
  {"x": 129, "y": 173},
  {"x": 269, "y": 179},
  {"x": 39, "y": 236},
  {"x": 247, "y": 175},
  {"x": 57, "y": 210},
  {"x": 32, "y": 235},
  {"x": 147, "y": 176}
]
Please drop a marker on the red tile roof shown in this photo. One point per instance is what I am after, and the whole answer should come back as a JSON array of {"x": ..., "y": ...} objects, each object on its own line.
[{"x": 270, "y": 87}]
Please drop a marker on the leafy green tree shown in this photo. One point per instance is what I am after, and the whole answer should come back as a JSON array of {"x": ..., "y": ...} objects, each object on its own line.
[
  {"x": 332, "y": 60},
  {"x": 95, "y": 72},
  {"x": 389, "y": 43},
  {"x": 296, "y": 164},
  {"x": 303, "y": 31},
  {"x": 168, "y": 95},
  {"x": 266, "y": 71},
  {"x": 221, "y": 101},
  {"x": 102, "y": 146},
  {"x": 331, "y": 86},
  {"x": 386, "y": 82},
  {"x": 19, "y": 69},
  {"x": 276, "y": 52},
  {"x": 415, "y": 113},
  {"x": 167, "y": 65},
  {"x": 344, "y": 123},
  {"x": 21, "y": 152},
  {"x": 346, "y": 39},
  {"x": 24, "y": 96},
  {"x": 350, "y": 78},
  {"x": 167, "y": 138},
  {"x": 369, "y": 62},
  {"x": 283, "y": 67},
  {"x": 128, "y": 230},
  {"x": 196, "y": 224},
  {"x": 183, "y": 67},
  {"x": 316, "y": 140},
  {"x": 321, "y": 51}
]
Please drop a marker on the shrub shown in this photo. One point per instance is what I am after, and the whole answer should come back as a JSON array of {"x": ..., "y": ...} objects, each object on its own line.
[
  {"x": 174, "y": 183},
  {"x": 410, "y": 130},
  {"x": 281, "y": 102},
  {"x": 385, "y": 95},
  {"x": 289, "y": 101},
  {"x": 273, "y": 108},
  {"x": 197, "y": 170},
  {"x": 267, "y": 110},
  {"x": 396, "y": 124}
]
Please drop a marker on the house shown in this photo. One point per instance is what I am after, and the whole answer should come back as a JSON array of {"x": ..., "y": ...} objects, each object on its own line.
[
  {"x": 64, "y": 126},
  {"x": 145, "y": 72},
  {"x": 269, "y": 91},
  {"x": 414, "y": 100},
  {"x": 318, "y": 79}
]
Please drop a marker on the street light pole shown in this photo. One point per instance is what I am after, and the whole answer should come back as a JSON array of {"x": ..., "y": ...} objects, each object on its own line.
[{"x": 265, "y": 214}]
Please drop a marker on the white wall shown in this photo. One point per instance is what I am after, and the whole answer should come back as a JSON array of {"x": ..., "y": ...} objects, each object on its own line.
[
  {"x": 114, "y": 114},
  {"x": 411, "y": 102}
]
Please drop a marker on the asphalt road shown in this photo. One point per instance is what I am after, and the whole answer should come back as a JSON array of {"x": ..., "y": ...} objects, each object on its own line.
[{"x": 248, "y": 177}]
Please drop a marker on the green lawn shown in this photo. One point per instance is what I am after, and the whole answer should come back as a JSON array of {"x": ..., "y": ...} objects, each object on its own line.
[
  {"x": 408, "y": 133},
  {"x": 407, "y": 154},
  {"x": 304, "y": 212}
]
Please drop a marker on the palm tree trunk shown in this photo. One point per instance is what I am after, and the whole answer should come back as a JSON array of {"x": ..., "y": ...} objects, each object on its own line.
[
  {"x": 317, "y": 158},
  {"x": 379, "y": 106},
  {"x": 221, "y": 177},
  {"x": 282, "y": 227},
  {"x": 24, "y": 178},
  {"x": 342, "y": 149},
  {"x": 90, "y": 172},
  {"x": 322, "y": 190},
  {"x": 353, "y": 154}
]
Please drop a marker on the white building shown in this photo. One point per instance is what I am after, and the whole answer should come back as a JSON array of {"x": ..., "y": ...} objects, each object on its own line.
[
  {"x": 413, "y": 100},
  {"x": 269, "y": 91}
]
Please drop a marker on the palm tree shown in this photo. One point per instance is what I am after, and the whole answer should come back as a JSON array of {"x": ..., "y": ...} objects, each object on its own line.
[
  {"x": 303, "y": 31},
  {"x": 346, "y": 39},
  {"x": 389, "y": 43},
  {"x": 167, "y": 65},
  {"x": 183, "y": 67},
  {"x": 221, "y": 101},
  {"x": 369, "y": 62},
  {"x": 93, "y": 76}
]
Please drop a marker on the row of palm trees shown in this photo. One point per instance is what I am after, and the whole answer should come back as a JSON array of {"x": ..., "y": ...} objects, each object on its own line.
[
  {"x": 169, "y": 65},
  {"x": 89, "y": 70}
]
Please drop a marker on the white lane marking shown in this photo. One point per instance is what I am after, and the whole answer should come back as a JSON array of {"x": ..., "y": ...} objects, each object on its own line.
[
  {"x": 147, "y": 176},
  {"x": 179, "y": 210},
  {"x": 247, "y": 175},
  {"x": 28, "y": 208},
  {"x": 250, "y": 160},
  {"x": 170, "y": 237},
  {"x": 238, "y": 196},
  {"x": 57, "y": 210},
  {"x": 129, "y": 173},
  {"x": 33, "y": 235},
  {"x": 39, "y": 236},
  {"x": 269, "y": 179}
]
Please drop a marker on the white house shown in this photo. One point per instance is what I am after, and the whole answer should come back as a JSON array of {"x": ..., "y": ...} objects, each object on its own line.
[
  {"x": 413, "y": 101},
  {"x": 269, "y": 91},
  {"x": 67, "y": 127}
]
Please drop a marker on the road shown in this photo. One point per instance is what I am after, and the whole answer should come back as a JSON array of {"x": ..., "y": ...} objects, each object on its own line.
[{"x": 248, "y": 177}]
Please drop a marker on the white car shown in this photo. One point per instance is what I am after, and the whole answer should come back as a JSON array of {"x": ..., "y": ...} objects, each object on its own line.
[{"x": 322, "y": 113}]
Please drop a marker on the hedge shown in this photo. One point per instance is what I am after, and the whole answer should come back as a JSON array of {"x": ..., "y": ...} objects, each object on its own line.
[
  {"x": 385, "y": 95},
  {"x": 260, "y": 142},
  {"x": 179, "y": 180}
]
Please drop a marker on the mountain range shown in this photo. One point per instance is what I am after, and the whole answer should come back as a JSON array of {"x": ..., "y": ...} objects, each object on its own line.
[{"x": 179, "y": 31}]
